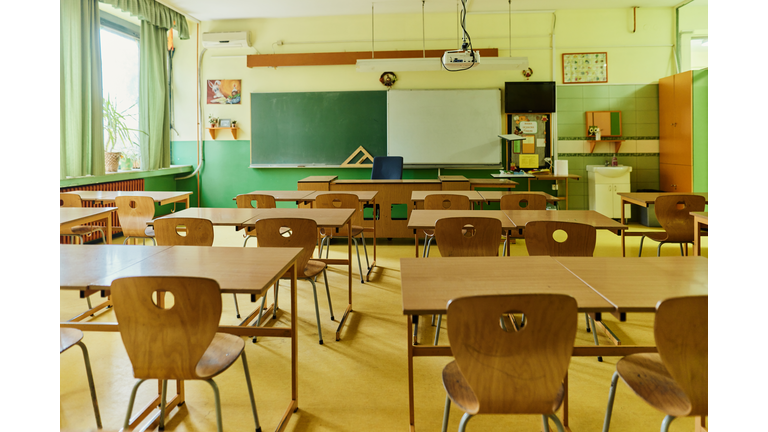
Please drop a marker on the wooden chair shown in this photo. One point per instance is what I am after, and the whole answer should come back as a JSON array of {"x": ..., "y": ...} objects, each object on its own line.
[
  {"x": 134, "y": 212},
  {"x": 487, "y": 375},
  {"x": 441, "y": 201},
  {"x": 674, "y": 215},
  {"x": 198, "y": 232},
  {"x": 348, "y": 201},
  {"x": 466, "y": 237},
  {"x": 674, "y": 380},
  {"x": 247, "y": 200},
  {"x": 521, "y": 201},
  {"x": 541, "y": 239},
  {"x": 79, "y": 231},
  {"x": 69, "y": 337},
  {"x": 183, "y": 343},
  {"x": 301, "y": 233}
]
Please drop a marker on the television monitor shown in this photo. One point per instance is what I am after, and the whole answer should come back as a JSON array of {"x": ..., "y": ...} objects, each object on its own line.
[{"x": 529, "y": 97}]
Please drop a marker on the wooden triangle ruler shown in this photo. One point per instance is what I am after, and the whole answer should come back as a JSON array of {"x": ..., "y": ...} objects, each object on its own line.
[{"x": 359, "y": 163}]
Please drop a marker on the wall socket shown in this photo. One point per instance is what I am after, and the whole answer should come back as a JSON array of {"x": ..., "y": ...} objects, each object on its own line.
[{"x": 554, "y": 186}]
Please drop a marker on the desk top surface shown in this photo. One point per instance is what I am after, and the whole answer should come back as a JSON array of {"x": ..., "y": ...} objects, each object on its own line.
[
  {"x": 318, "y": 179},
  {"x": 645, "y": 198},
  {"x": 589, "y": 217},
  {"x": 281, "y": 195},
  {"x": 73, "y": 214},
  {"x": 426, "y": 219},
  {"x": 701, "y": 216},
  {"x": 491, "y": 182},
  {"x": 495, "y": 196},
  {"x": 429, "y": 283},
  {"x": 385, "y": 181},
  {"x": 333, "y": 218},
  {"x": 638, "y": 284},
  {"x": 157, "y": 196},
  {"x": 361, "y": 195},
  {"x": 556, "y": 177},
  {"x": 80, "y": 266},
  {"x": 472, "y": 195},
  {"x": 217, "y": 216}
]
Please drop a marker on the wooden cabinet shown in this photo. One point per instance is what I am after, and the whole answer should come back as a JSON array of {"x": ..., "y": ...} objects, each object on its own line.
[
  {"x": 676, "y": 138},
  {"x": 609, "y": 123}
]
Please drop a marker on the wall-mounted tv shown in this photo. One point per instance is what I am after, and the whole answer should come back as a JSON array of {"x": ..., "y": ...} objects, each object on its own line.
[{"x": 529, "y": 97}]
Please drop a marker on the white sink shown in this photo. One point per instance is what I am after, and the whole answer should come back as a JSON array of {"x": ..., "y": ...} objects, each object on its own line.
[{"x": 609, "y": 171}]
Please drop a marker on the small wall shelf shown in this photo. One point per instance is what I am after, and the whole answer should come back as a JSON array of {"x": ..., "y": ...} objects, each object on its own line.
[
  {"x": 212, "y": 131},
  {"x": 617, "y": 143}
]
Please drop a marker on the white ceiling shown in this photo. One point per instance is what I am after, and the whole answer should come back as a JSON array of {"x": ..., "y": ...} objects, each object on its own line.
[{"x": 206, "y": 10}]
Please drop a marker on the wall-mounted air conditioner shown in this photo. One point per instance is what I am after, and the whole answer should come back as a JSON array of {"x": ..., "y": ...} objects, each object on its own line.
[{"x": 236, "y": 39}]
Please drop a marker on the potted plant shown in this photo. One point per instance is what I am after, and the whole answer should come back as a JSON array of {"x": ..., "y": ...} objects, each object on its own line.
[
  {"x": 234, "y": 124},
  {"x": 212, "y": 120},
  {"x": 116, "y": 132}
]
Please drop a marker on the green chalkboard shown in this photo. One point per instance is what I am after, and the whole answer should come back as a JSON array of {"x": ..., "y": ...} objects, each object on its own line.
[{"x": 316, "y": 128}]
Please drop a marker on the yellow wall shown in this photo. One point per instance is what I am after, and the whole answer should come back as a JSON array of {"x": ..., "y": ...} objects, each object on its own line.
[{"x": 637, "y": 58}]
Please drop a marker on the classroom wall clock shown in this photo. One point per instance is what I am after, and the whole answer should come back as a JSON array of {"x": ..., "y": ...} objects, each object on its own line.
[{"x": 388, "y": 79}]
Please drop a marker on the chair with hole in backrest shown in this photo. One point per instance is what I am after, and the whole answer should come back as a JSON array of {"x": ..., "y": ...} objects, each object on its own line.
[
  {"x": 442, "y": 201},
  {"x": 466, "y": 237},
  {"x": 134, "y": 212},
  {"x": 183, "y": 343},
  {"x": 674, "y": 215},
  {"x": 546, "y": 238},
  {"x": 197, "y": 232},
  {"x": 387, "y": 168},
  {"x": 247, "y": 201},
  {"x": 521, "y": 201},
  {"x": 674, "y": 380},
  {"x": 498, "y": 371},
  {"x": 69, "y": 337},
  {"x": 302, "y": 233},
  {"x": 73, "y": 200},
  {"x": 348, "y": 201}
]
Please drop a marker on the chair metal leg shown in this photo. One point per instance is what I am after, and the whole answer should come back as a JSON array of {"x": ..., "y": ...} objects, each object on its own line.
[
  {"x": 246, "y": 240},
  {"x": 91, "y": 386},
  {"x": 359, "y": 264},
  {"x": 261, "y": 312},
  {"x": 328, "y": 291},
  {"x": 130, "y": 403},
  {"x": 681, "y": 250},
  {"x": 426, "y": 249},
  {"x": 544, "y": 423},
  {"x": 586, "y": 318},
  {"x": 504, "y": 249},
  {"x": 317, "y": 310},
  {"x": 237, "y": 309},
  {"x": 367, "y": 263},
  {"x": 446, "y": 412},
  {"x": 558, "y": 424},
  {"x": 437, "y": 331},
  {"x": 463, "y": 423},
  {"x": 640, "y": 253},
  {"x": 274, "y": 309},
  {"x": 250, "y": 391},
  {"x": 666, "y": 422},
  {"x": 218, "y": 404},
  {"x": 415, "y": 329},
  {"x": 611, "y": 397},
  {"x": 163, "y": 395},
  {"x": 88, "y": 300},
  {"x": 594, "y": 335}
]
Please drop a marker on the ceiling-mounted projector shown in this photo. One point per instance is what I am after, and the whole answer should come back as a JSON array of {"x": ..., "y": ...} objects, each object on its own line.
[{"x": 460, "y": 59}]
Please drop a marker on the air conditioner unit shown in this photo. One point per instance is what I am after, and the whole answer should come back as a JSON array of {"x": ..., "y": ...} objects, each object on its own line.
[{"x": 236, "y": 39}]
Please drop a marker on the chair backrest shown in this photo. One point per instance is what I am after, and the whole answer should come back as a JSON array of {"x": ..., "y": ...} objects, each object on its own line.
[
  {"x": 70, "y": 200},
  {"x": 681, "y": 333},
  {"x": 134, "y": 212},
  {"x": 180, "y": 334},
  {"x": 199, "y": 232},
  {"x": 523, "y": 202},
  {"x": 674, "y": 215},
  {"x": 387, "y": 168},
  {"x": 446, "y": 202},
  {"x": 338, "y": 200},
  {"x": 468, "y": 236},
  {"x": 301, "y": 233},
  {"x": 513, "y": 372},
  {"x": 560, "y": 238},
  {"x": 262, "y": 201}
]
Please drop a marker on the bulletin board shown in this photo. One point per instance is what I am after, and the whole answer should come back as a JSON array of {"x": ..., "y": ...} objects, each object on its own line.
[{"x": 536, "y": 128}]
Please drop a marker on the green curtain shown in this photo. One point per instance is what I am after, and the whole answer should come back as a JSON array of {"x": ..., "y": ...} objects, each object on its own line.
[
  {"x": 154, "y": 13},
  {"x": 81, "y": 128},
  {"x": 154, "y": 107}
]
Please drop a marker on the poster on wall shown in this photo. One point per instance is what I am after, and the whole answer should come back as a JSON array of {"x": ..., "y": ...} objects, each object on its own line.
[
  {"x": 585, "y": 68},
  {"x": 224, "y": 91}
]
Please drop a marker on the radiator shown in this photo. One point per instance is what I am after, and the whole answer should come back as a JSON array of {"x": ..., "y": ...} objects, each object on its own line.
[{"x": 122, "y": 185}]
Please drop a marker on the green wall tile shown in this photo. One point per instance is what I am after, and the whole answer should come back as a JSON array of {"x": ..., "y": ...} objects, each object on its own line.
[
  {"x": 628, "y": 117},
  {"x": 648, "y": 129},
  {"x": 597, "y": 104},
  {"x": 627, "y": 160},
  {"x": 569, "y": 92},
  {"x": 597, "y": 91},
  {"x": 575, "y": 163},
  {"x": 571, "y": 130},
  {"x": 571, "y": 117},
  {"x": 645, "y": 117},
  {"x": 577, "y": 187},
  {"x": 651, "y": 104},
  {"x": 623, "y": 103},
  {"x": 570, "y": 105},
  {"x": 576, "y": 203},
  {"x": 647, "y": 91},
  {"x": 629, "y": 129},
  {"x": 647, "y": 176},
  {"x": 622, "y": 91},
  {"x": 648, "y": 162}
]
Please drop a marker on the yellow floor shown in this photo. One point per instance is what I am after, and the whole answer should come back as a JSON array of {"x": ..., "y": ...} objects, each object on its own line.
[{"x": 358, "y": 383}]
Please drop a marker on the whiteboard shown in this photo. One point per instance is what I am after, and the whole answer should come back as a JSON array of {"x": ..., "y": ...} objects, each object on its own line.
[{"x": 445, "y": 127}]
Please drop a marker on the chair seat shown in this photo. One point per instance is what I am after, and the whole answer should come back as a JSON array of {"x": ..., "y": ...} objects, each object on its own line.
[
  {"x": 82, "y": 229},
  {"x": 356, "y": 231},
  {"x": 312, "y": 269},
  {"x": 221, "y": 353},
  {"x": 657, "y": 236},
  {"x": 646, "y": 375},
  {"x": 68, "y": 337}
]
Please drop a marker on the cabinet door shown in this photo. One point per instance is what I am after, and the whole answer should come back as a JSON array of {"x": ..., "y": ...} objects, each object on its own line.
[
  {"x": 619, "y": 188},
  {"x": 666, "y": 118},
  {"x": 675, "y": 178},
  {"x": 683, "y": 151},
  {"x": 604, "y": 199}
]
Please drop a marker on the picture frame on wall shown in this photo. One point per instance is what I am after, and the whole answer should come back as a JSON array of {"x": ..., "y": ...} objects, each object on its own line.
[
  {"x": 581, "y": 68},
  {"x": 224, "y": 91},
  {"x": 225, "y": 123}
]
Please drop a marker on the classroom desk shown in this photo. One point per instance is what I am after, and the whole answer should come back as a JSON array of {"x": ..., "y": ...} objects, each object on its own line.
[
  {"x": 417, "y": 197},
  {"x": 280, "y": 195},
  {"x": 644, "y": 199},
  {"x": 589, "y": 217},
  {"x": 495, "y": 196},
  {"x": 556, "y": 178},
  {"x": 159, "y": 197},
  {"x": 497, "y": 183},
  {"x": 699, "y": 219},
  {"x": 237, "y": 270},
  {"x": 427, "y": 219},
  {"x": 427, "y": 285},
  {"x": 73, "y": 216},
  {"x": 235, "y": 217}
]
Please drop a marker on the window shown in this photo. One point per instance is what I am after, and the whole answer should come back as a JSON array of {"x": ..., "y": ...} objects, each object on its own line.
[{"x": 120, "y": 75}]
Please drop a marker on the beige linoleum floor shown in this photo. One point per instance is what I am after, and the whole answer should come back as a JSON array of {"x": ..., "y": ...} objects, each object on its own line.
[{"x": 356, "y": 384}]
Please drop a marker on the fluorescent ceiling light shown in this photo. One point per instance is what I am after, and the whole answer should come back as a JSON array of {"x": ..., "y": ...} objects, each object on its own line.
[{"x": 435, "y": 64}]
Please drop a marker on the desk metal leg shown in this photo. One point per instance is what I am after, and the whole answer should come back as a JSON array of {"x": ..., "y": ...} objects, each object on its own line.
[
  {"x": 623, "y": 222},
  {"x": 349, "y": 274},
  {"x": 410, "y": 371}
]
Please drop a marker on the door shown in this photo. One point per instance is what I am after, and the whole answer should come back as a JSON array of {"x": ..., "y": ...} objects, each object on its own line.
[{"x": 675, "y": 178}]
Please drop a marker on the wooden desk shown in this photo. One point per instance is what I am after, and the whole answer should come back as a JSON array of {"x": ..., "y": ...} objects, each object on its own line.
[
  {"x": 281, "y": 195},
  {"x": 589, "y": 217},
  {"x": 427, "y": 285},
  {"x": 237, "y": 270},
  {"x": 325, "y": 218},
  {"x": 417, "y": 197},
  {"x": 427, "y": 219},
  {"x": 498, "y": 183},
  {"x": 555, "y": 177},
  {"x": 235, "y": 217},
  {"x": 73, "y": 216},
  {"x": 160, "y": 197},
  {"x": 699, "y": 219},
  {"x": 495, "y": 196},
  {"x": 644, "y": 199}
]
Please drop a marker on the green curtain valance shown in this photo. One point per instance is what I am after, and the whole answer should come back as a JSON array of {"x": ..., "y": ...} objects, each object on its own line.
[{"x": 154, "y": 13}]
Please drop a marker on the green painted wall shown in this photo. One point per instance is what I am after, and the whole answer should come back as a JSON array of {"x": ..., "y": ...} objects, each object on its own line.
[{"x": 700, "y": 131}]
